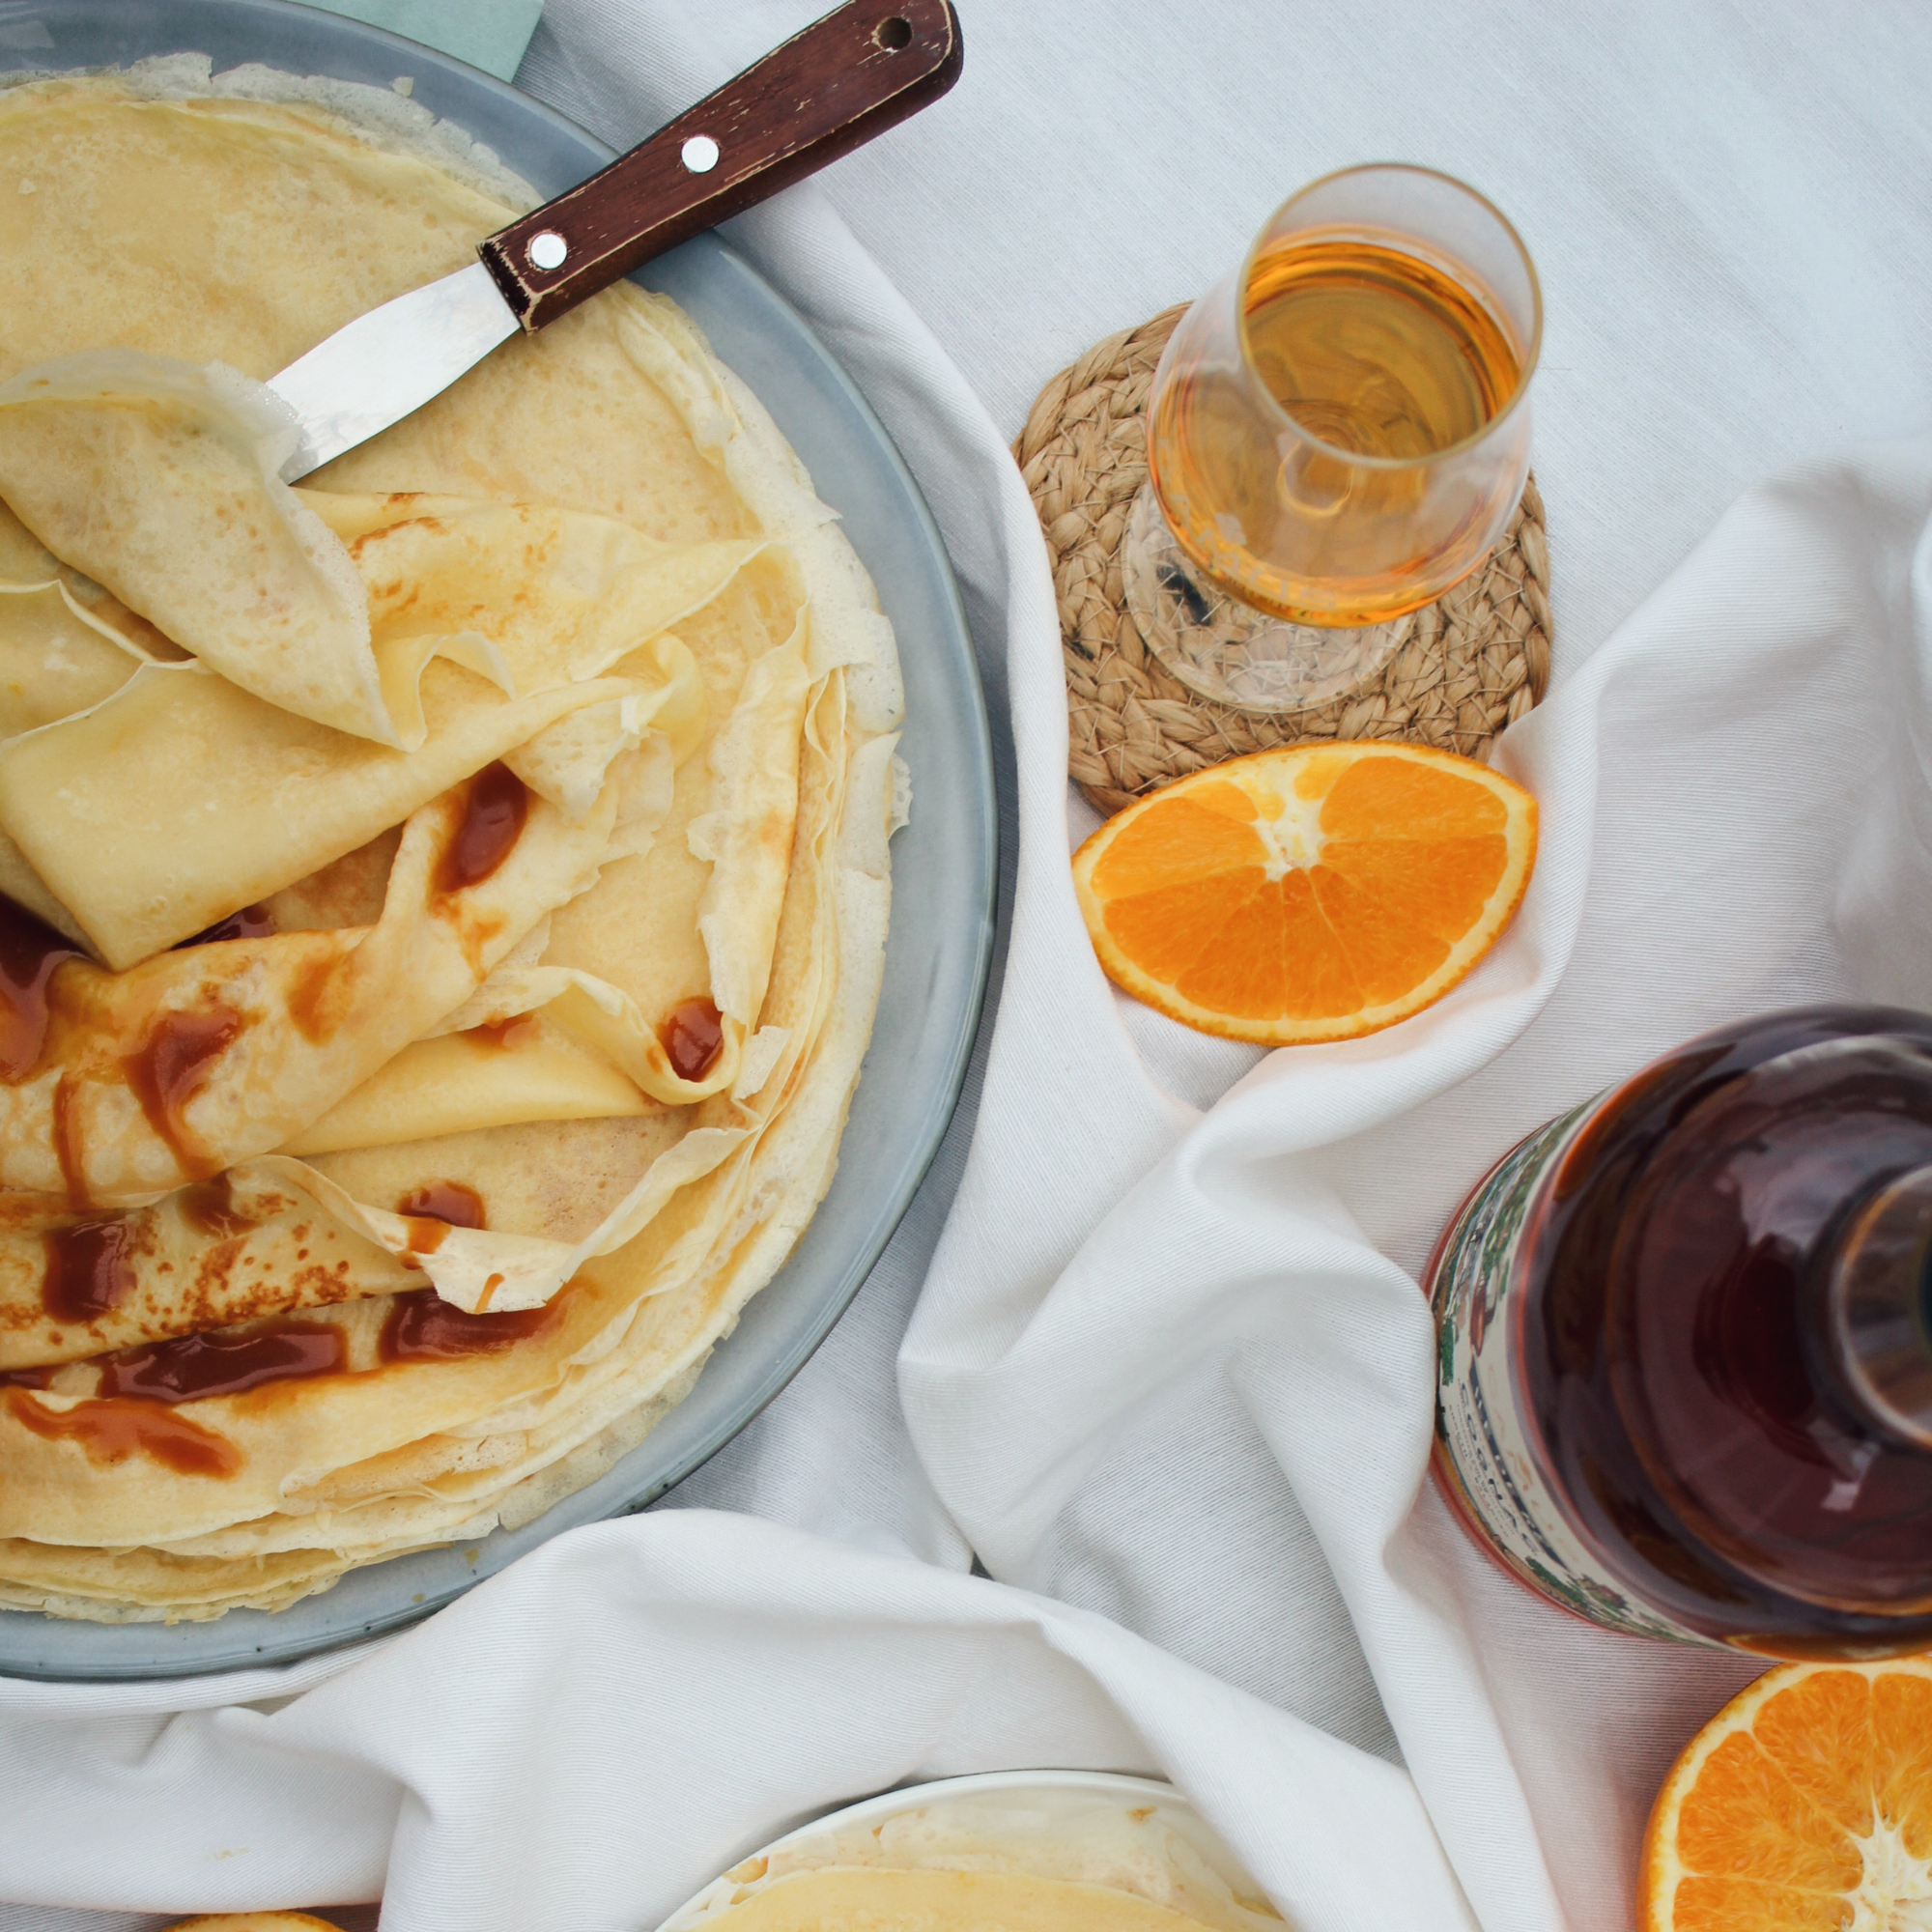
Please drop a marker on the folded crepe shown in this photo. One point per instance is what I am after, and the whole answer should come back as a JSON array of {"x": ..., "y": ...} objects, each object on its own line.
[{"x": 442, "y": 906}]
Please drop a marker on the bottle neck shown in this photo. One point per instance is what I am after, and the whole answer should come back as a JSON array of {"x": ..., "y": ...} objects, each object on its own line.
[{"x": 1877, "y": 1291}]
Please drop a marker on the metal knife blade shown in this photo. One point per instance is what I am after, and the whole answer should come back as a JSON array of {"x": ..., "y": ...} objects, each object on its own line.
[
  {"x": 845, "y": 78},
  {"x": 376, "y": 369}
]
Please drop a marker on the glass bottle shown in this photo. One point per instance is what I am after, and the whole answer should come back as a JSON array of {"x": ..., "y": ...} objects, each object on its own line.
[{"x": 1684, "y": 1344}]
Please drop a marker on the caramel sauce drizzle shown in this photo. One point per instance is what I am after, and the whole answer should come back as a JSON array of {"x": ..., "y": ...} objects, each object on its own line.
[
  {"x": 124, "y": 1426},
  {"x": 30, "y": 951},
  {"x": 424, "y": 1327},
  {"x": 426, "y": 1234},
  {"x": 494, "y": 812},
  {"x": 209, "y": 1208},
  {"x": 90, "y": 1269},
  {"x": 434, "y": 1209},
  {"x": 67, "y": 1149},
  {"x": 693, "y": 1035},
  {"x": 191, "y": 1368},
  {"x": 449, "y": 1201},
  {"x": 171, "y": 1066}
]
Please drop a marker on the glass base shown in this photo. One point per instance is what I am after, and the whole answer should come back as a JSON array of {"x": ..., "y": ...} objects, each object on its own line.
[{"x": 1227, "y": 650}]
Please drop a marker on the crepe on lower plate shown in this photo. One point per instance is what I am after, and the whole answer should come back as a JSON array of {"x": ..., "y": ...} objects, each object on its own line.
[
  {"x": 1031, "y": 1855},
  {"x": 445, "y": 903}
]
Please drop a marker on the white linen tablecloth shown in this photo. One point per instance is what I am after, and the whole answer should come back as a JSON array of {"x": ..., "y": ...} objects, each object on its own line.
[{"x": 1168, "y": 1364}]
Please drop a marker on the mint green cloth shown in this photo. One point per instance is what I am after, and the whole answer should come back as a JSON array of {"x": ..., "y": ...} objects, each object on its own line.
[{"x": 489, "y": 33}]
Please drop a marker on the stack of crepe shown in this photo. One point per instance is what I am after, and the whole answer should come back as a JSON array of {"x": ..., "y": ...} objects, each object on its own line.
[{"x": 445, "y": 902}]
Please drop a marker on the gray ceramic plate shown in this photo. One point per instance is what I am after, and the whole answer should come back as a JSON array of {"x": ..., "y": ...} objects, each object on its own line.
[{"x": 943, "y": 863}]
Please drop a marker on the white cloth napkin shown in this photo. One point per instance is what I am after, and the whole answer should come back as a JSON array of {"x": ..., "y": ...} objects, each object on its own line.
[
  {"x": 1171, "y": 1365},
  {"x": 1139, "y": 1316},
  {"x": 590, "y": 1737}
]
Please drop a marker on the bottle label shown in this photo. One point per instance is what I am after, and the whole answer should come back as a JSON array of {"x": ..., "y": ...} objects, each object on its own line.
[{"x": 1481, "y": 1440}]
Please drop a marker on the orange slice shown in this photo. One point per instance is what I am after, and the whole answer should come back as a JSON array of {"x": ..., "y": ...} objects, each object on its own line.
[
  {"x": 1316, "y": 892},
  {"x": 1803, "y": 1806}
]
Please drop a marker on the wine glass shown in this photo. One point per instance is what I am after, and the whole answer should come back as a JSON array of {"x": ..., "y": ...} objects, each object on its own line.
[{"x": 1337, "y": 433}]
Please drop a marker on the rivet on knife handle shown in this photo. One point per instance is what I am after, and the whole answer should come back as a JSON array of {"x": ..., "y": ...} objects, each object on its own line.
[{"x": 828, "y": 89}]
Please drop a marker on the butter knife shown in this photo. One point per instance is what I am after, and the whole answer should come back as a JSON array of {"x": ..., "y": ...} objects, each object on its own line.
[{"x": 861, "y": 69}]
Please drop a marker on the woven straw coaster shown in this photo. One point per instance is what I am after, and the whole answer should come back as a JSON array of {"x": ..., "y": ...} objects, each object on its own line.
[{"x": 1477, "y": 658}]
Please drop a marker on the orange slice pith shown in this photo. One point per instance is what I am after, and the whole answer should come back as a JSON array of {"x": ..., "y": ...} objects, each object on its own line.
[
  {"x": 1316, "y": 892},
  {"x": 1803, "y": 1806}
]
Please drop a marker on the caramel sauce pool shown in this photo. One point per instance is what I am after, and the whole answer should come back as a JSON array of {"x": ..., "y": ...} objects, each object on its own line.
[
  {"x": 90, "y": 1269},
  {"x": 29, "y": 954},
  {"x": 207, "y": 1207},
  {"x": 171, "y": 1067},
  {"x": 423, "y": 1327},
  {"x": 492, "y": 820},
  {"x": 693, "y": 1035},
  {"x": 450, "y": 1200},
  {"x": 112, "y": 1431},
  {"x": 434, "y": 1209},
  {"x": 191, "y": 1368}
]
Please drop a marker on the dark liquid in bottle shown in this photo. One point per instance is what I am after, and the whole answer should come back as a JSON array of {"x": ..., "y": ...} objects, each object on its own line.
[{"x": 1672, "y": 1348}]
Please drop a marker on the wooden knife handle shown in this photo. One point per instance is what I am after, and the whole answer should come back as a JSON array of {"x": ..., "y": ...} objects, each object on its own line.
[{"x": 828, "y": 89}]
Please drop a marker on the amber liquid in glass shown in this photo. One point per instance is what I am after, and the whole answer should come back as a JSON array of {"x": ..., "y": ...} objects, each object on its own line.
[
  {"x": 1372, "y": 350},
  {"x": 1671, "y": 1348}
]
